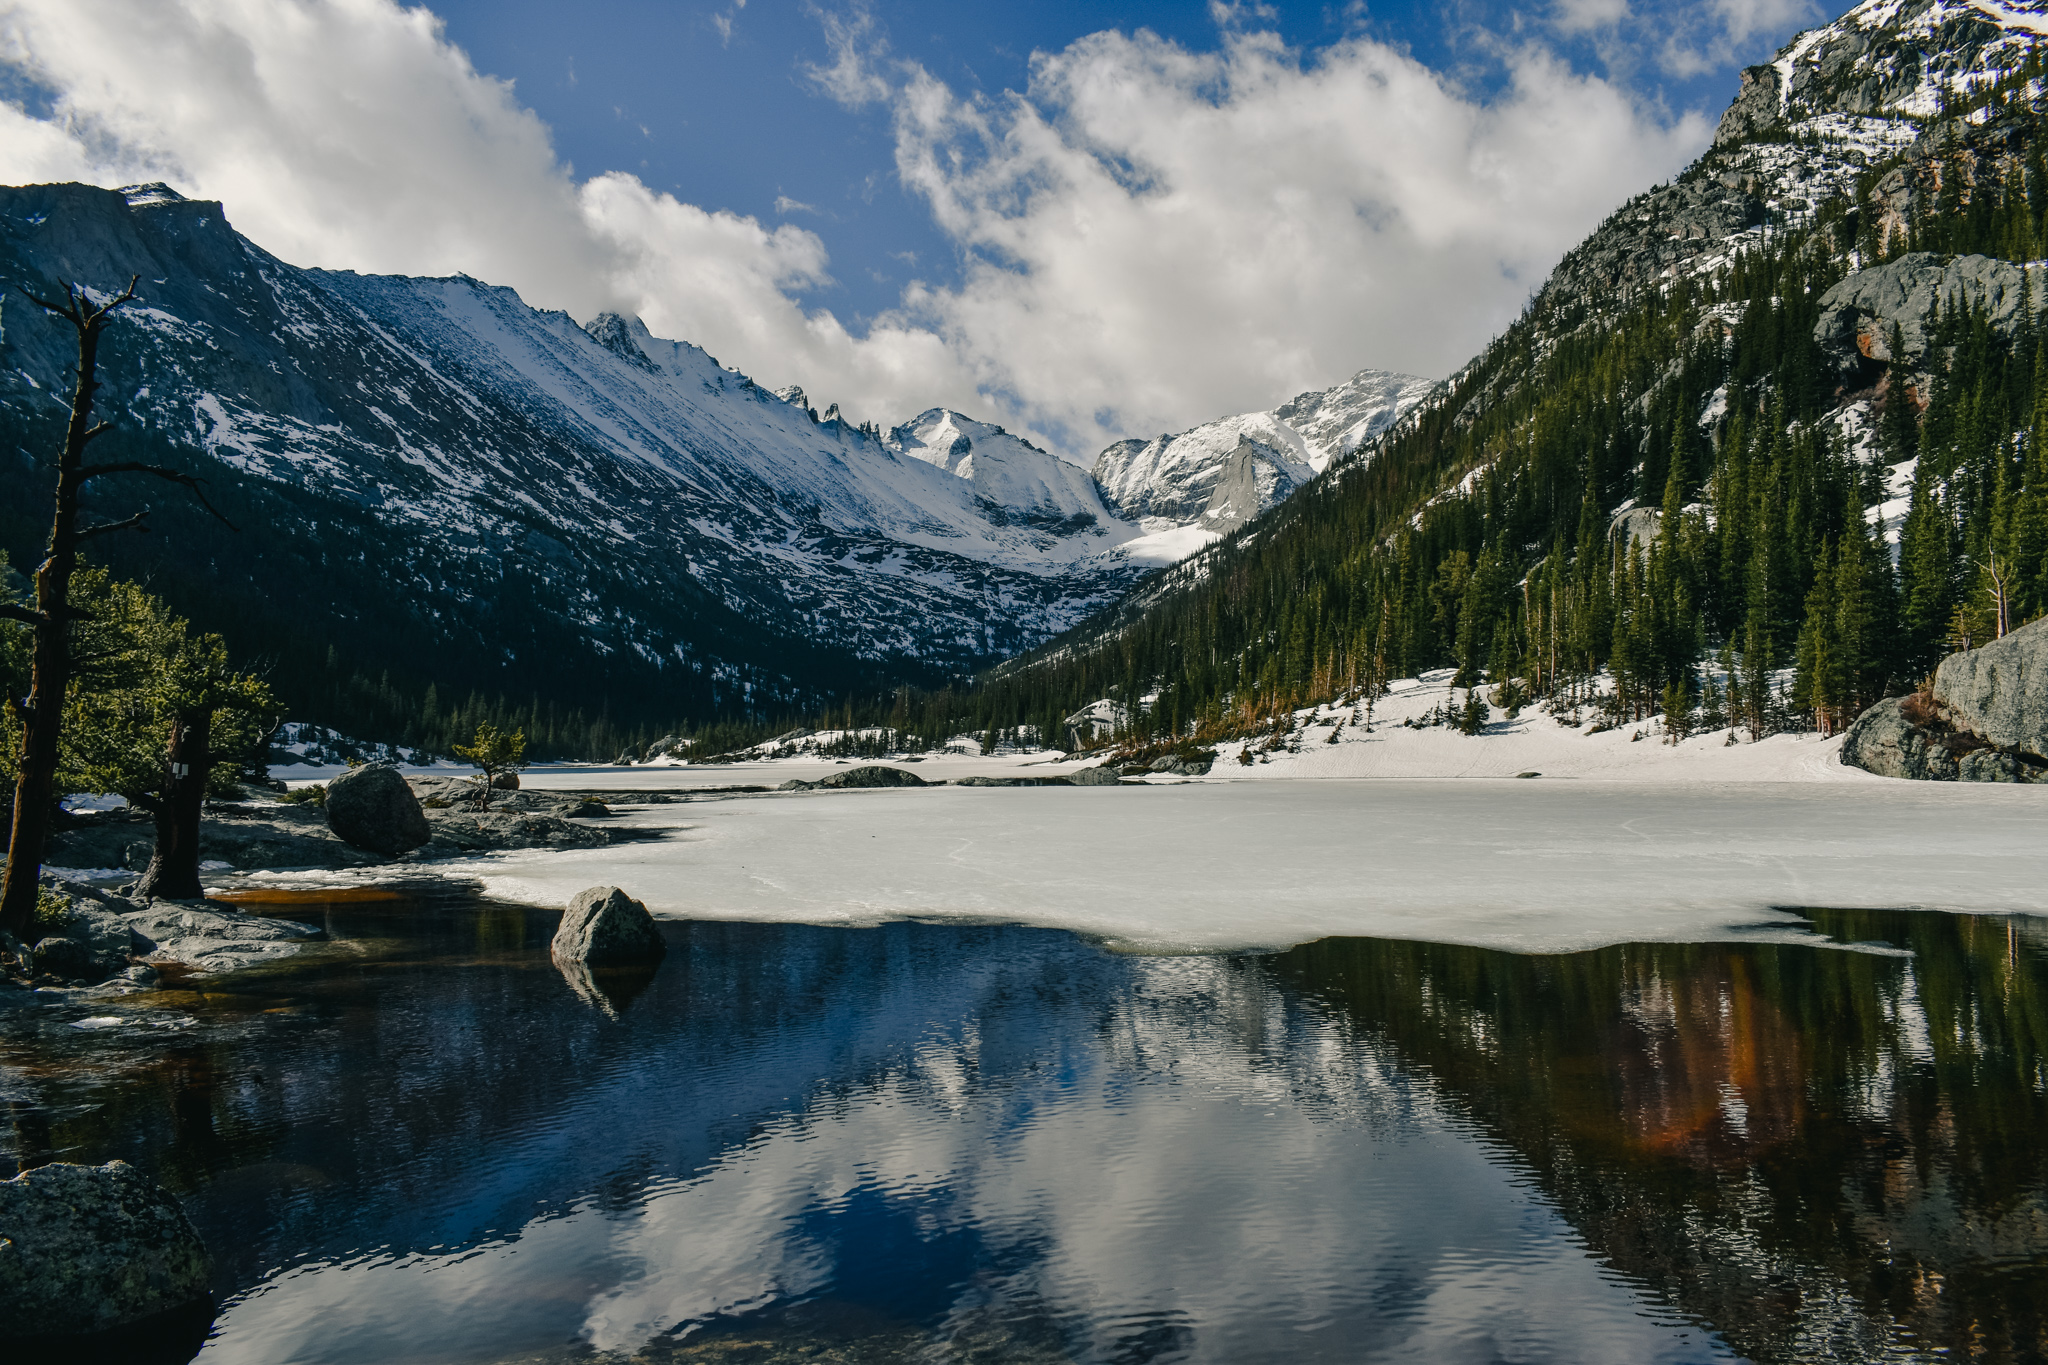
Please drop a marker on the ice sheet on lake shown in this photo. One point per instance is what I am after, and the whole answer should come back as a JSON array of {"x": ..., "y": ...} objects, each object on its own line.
[{"x": 1532, "y": 866}]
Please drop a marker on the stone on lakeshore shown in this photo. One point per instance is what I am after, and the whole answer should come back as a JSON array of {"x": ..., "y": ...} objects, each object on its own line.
[
  {"x": 1095, "y": 777},
  {"x": 605, "y": 927},
  {"x": 2000, "y": 690},
  {"x": 90, "y": 1248},
  {"x": 506, "y": 782},
  {"x": 873, "y": 775},
  {"x": 1884, "y": 741},
  {"x": 372, "y": 807}
]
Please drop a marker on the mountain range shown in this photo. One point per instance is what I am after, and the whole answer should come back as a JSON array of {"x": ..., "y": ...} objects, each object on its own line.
[{"x": 642, "y": 511}]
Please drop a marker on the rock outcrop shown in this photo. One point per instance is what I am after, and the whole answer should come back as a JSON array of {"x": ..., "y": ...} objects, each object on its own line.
[
  {"x": 1985, "y": 719},
  {"x": 371, "y": 807},
  {"x": 604, "y": 927},
  {"x": 1857, "y": 315},
  {"x": 2000, "y": 691},
  {"x": 87, "y": 1249},
  {"x": 869, "y": 775},
  {"x": 1095, "y": 777}
]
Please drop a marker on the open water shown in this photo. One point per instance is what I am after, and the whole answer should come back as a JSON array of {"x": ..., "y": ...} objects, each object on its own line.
[{"x": 977, "y": 1143}]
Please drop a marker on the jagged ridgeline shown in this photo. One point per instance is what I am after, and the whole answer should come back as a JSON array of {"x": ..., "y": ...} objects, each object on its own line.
[{"x": 1765, "y": 446}]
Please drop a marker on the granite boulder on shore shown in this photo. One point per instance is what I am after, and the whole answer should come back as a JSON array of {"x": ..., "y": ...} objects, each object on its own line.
[
  {"x": 88, "y": 1249},
  {"x": 1984, "y": 718}
]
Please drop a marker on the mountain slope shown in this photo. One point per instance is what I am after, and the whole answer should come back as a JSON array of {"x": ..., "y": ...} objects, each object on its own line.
[{"x": 1698, "y": 478}]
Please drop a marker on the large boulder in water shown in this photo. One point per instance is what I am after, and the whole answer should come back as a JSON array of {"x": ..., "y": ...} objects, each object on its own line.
[
  {"x": 2000, "y": 691},
  {"x": 371, "y": 807},
  {"x": 605, "y": 927},
  {"x": 86, "y": 1249}
]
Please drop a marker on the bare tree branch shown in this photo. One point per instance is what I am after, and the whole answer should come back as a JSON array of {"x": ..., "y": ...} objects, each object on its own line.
[
  {"x": 14, "y": 613},
  {"x": 195, "y": 484},
  {"x": 135, "y": 523}
]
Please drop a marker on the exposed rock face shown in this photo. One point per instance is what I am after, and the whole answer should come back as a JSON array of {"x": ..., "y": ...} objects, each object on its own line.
[
  {"x": 604, "y": 927},
  {"x": 2000, "y": 691},
  {"x": 1759, "y": 105},
  {"x": 371, "y": 807},
  {"x": 1986, "y": 719},
  {"x": 1857, "y": 315},
  {"x": 90, "y": 1248},
  {"x": 1095, "y": 777}
]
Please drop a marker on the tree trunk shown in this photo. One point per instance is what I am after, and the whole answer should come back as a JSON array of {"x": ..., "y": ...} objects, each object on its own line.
[
  {"x": 173, "y": 872},
  {"x": 41, "y": 717}
]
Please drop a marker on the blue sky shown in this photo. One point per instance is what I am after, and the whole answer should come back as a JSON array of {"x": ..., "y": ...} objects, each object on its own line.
[
  {"x": 1085, "y": 222},
  {"x": 712, "y": 101}
]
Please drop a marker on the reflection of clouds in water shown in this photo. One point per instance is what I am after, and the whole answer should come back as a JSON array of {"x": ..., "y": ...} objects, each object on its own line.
[
  {"x": 1197, "y": 1159},
  {"x": 1169, "y": 1173}
]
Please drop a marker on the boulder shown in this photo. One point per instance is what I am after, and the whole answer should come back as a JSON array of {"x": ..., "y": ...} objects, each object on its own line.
[
  {"x": 92, "y": 943},
  {"x": 506, "y": 782},
  {"x": 873, "y": 775},
  {"x": 87, "y": 1249},
  {"x": 1095, "y": 777},
  {"x": 605, "y": 927},
  {"x": 371, "y": 807},
  {"x": 1886, "y": 742},
  {"x": 2000, "y": 690}
]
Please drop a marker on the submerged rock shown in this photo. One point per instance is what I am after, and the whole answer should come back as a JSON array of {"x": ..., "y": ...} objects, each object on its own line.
[
  {"x": 605, "y": 927},
  {"x": 210, "y": 939},
  {"x": 86, "y": 1249},
  {"x": 372, "y": 807}
]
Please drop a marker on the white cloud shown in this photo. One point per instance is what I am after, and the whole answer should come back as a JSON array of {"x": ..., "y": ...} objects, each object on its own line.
[
  {"x": 1169, "y": 235},
  {"x": 1580, "y": 16},
  {"x": 1152, "y": 236}
]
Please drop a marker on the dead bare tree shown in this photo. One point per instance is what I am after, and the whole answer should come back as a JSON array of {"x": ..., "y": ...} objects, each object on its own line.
[{"x": 41, "y": 714}]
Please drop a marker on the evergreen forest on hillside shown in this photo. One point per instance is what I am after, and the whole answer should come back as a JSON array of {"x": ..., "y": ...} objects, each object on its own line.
[{"x": 1763, "y": 594}]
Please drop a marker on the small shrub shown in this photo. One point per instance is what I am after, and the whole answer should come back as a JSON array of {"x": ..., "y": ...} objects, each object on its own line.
[
  {"x": 436, "y": 803},
  {"x": 53, "y": 911},
  {"x": 314, "y": 794}
]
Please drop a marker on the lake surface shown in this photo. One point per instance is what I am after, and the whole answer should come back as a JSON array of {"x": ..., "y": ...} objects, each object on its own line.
[{"x": 974, "y": 1143}]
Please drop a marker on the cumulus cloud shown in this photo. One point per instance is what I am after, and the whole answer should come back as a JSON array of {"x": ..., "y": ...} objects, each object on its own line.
[{"x": 1151, "y": 236}]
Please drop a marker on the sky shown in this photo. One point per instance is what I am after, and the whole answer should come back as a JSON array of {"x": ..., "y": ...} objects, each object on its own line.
[{"x": 1083, "y": 221}]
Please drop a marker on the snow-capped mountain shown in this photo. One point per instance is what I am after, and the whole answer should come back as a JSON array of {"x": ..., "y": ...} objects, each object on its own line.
[
  {"x": 1223, "y": 473},
  {"x": 619, "y": 495}
]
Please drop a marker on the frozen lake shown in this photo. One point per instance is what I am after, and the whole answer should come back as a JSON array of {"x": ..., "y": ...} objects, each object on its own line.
[{"x": 1529, "y": 865}]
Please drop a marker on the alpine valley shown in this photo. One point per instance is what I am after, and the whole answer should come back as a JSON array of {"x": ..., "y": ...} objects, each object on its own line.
[
  {"x": 429, "y": 469},
  {"x": 1764, "y": 447}
]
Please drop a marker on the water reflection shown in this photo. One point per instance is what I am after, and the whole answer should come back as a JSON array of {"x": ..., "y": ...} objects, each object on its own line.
[
  {"x": 1826, "y": 1154},
  {"x": 983, "y": 1143}
]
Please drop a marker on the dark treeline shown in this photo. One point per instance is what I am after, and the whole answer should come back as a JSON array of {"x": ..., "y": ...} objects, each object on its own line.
[{"x": 1749, "y": 586}]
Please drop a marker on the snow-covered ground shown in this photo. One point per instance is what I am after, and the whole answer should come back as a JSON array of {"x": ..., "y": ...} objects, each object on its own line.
[
  {"x": 1536, "y": 866},
  {"x": 1618, "y": 839}
]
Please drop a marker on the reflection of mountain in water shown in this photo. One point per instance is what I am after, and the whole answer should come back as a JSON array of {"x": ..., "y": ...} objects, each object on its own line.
[
  {"x": 1825, "y": 1154},
  {"x": 1014, "y": 1144}
]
